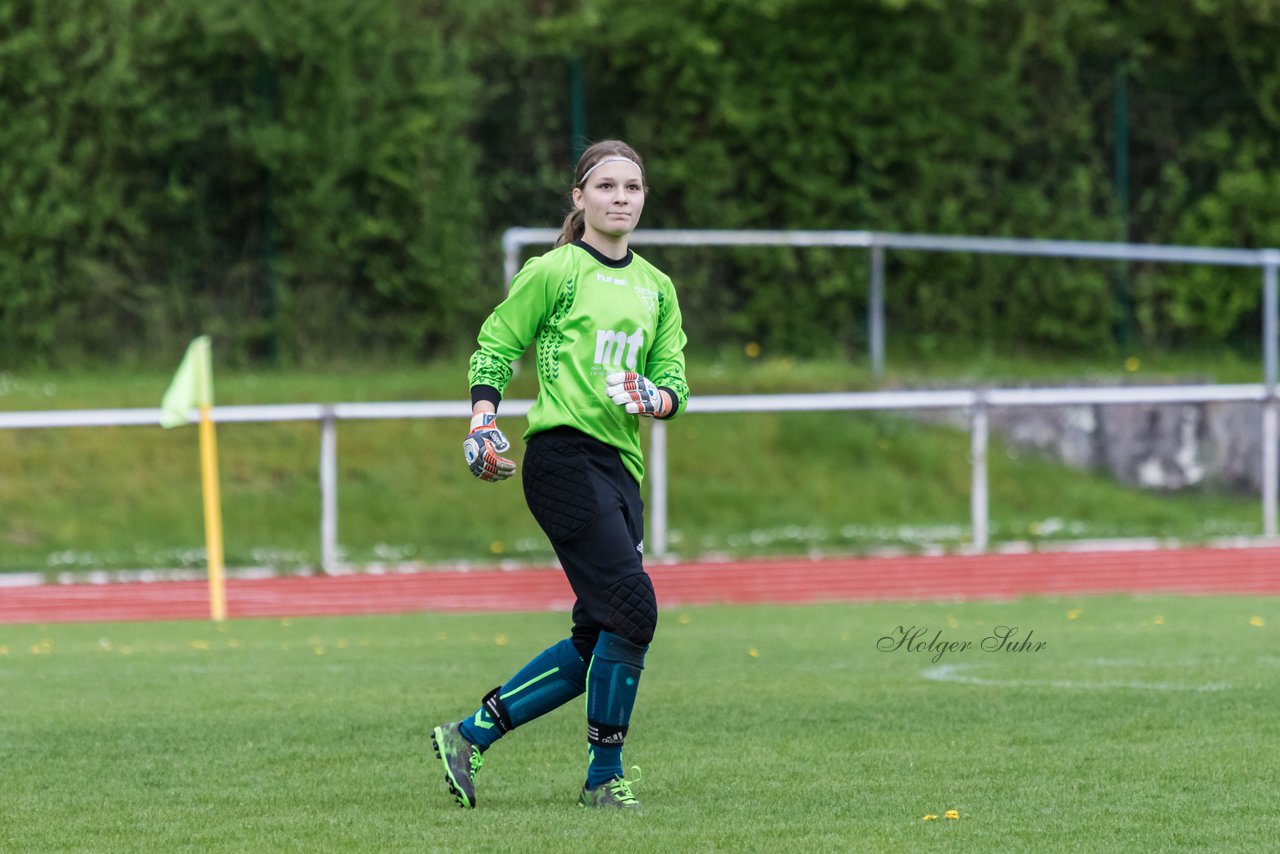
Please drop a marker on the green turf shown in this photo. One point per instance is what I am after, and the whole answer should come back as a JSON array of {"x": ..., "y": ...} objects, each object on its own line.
[
  {"x": 124, "y": 498},
  {"x": 1145, "y": 723}
]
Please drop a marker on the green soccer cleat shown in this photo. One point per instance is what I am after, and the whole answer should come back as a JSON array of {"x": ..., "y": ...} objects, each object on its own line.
[
  {"x": 615, "y": 794},
  {"x": 461, "y": 759}
]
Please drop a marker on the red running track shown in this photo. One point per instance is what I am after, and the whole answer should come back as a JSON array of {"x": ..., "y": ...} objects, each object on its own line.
[{"x": 914, "y": 578}]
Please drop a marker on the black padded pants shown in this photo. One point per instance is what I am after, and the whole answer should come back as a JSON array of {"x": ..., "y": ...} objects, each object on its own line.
[{"x": 589, "y": 506}]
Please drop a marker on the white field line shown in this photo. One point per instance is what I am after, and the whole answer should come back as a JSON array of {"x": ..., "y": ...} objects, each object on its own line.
[{"x": 956, "y": 674}]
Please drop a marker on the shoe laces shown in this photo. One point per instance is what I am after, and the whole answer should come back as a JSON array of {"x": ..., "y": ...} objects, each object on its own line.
[
  {"x": 477, "y": 760},
  {"x": 621, "y": 788}
]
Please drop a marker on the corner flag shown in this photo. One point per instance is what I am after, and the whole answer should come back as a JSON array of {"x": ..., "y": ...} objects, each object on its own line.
[
  {"x": 192, "y": 385},
  {"x": 192, "y": 388}
]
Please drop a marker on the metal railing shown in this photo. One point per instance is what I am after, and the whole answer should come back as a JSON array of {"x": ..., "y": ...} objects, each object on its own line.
[
  {"x": 978, "y": 403},
  {"x": 515, "y": 239}
]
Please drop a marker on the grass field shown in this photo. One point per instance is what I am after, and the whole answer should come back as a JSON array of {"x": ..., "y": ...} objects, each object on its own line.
[
  {"x": 124, "y": 498},
  {"x": 1144, "y": 723}
]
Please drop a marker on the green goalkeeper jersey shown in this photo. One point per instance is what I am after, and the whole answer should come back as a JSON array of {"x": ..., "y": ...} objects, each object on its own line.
[{"x": 590, "y": 317}]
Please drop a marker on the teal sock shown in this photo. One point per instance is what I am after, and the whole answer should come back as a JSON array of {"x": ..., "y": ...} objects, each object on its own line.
[
  {"x": 612, "y": 681},
  {"x": 554, "y": 677}
]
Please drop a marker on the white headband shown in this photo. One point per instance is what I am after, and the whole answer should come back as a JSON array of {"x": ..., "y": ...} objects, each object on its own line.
[{"x": 610, "y": 160}]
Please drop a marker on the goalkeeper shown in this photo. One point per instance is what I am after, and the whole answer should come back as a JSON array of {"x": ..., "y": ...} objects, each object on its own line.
[{"x": 610, "y": 347}]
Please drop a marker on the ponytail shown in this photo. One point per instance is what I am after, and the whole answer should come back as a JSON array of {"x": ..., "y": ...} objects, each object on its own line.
[{"x": 575, "y": 225}]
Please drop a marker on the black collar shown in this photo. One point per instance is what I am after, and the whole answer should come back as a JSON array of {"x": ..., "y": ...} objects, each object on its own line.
[{"x": 617, "y": 263}]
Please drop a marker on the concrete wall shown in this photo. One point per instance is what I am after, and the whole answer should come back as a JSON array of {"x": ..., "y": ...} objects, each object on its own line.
[{"x": 1164, "y": 446}]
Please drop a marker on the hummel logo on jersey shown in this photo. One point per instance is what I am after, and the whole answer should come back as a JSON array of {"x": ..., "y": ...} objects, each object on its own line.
[
  {"x": 611, "y": 279},
  {"x": 615, "y": 348}
]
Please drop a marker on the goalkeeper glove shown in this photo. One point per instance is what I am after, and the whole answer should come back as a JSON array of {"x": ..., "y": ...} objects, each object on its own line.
[
  {"x": 483, "y": 445},
  {"x": 637, "y": 394}
]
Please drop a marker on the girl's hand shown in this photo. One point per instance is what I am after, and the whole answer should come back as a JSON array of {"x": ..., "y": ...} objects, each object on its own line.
[{"x": 637, "y": 394}]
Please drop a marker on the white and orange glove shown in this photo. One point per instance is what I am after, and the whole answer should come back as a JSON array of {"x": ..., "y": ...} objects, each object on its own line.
[
  {"x": 483, "y": 446},
  {"x": 637, "y": 394}
]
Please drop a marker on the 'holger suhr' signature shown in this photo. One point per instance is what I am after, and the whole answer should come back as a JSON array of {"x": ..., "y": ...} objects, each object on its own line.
[{"x": 917, "y": 639}]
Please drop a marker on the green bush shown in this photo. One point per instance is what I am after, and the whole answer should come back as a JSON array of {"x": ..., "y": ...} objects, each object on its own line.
[
  {"x": 316, "y": 182},
  {"x": 293, "y": 176}
]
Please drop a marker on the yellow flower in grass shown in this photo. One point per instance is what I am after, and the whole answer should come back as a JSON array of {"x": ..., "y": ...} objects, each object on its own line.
[
  {"x": 953, "y": 814},
  {"x": 930, "y": 817},
  {"x": 1074, "y": 614},
  {"x": 1257, "y": 622}
]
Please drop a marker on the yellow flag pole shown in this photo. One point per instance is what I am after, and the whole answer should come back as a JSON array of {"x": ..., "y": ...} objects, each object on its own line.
[
  {"x": 192, "y": 386},
  {"x": 212, "y": 515}
]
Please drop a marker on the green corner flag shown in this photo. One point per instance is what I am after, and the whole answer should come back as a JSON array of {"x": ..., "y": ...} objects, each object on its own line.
[
  {"x": 192, "y": 388},
  {"x": 192, "y": 385}
]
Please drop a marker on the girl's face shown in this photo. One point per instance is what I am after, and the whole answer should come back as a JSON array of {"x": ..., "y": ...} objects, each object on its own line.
[{"x": 611, "y": 200}]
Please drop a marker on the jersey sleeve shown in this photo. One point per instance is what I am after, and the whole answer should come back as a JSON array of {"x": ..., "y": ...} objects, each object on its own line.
[
  {"x": 666, "y": 360},
  {"x": 512, "y": 327}
]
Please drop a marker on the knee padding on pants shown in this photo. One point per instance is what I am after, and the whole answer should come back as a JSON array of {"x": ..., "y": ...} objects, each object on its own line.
[{"x": 632, "y": 608}]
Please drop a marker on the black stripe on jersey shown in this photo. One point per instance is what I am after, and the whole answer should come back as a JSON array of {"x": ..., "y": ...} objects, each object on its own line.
[{"x": 617, "y": 264}]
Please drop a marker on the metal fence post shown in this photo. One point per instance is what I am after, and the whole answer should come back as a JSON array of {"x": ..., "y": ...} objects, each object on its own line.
[
  {"x": 511, "y": 243},
  {"x": 658, "y": 489},
  {"x": 1270, "y": 263},
  {"x": 1270, "y": 463},
  {"x": 328, "y": 491},
  {"x": 978, "y": 509},
  {"x": 875, "y": 310},
  {"x": 1270, "y": 453}
]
